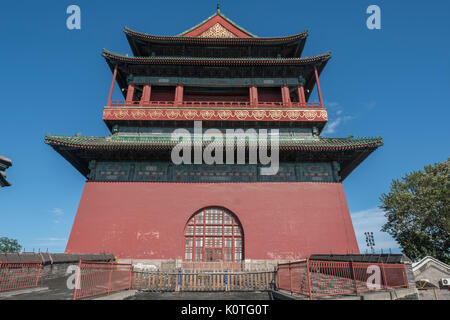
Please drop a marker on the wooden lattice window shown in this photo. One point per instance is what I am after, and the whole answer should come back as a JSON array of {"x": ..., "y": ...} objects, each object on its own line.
[{"x": 213, "y": 234}]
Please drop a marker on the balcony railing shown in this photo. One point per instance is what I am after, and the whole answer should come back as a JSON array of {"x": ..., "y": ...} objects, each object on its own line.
[{"x": 216, "y": 104}]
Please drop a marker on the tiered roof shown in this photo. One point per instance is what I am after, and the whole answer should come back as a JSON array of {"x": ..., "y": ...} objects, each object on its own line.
[
  {"x": 230, "y": 67},
  {"x": 162, "y": 141},
  {"x": 219, "y": 36},
  {"x": 216, "y": 48},
  {"x": 78, "y": 150},
  {"x": 143, "y": 44},
  {"x": 220, "y": 43}
]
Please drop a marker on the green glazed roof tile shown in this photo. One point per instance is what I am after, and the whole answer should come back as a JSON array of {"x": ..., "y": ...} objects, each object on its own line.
[
  {"x": 137, "y": 142},
  {"x": 115, "y": 56}
]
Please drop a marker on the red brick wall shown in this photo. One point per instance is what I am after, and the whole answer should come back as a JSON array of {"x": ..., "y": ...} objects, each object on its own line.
[{"x": 147, "y": 220}]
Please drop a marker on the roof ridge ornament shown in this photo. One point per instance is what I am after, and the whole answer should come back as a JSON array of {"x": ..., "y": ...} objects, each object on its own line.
[{"x": 218, "y": 7}]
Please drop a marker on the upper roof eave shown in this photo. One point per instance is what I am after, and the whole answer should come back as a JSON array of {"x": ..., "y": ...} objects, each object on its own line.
[
  {"x": 109, "y": 55},
  {"x": 255, "y": 40}
]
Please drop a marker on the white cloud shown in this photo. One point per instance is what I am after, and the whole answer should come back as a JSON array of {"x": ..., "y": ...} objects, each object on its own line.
[
  {"x": 371, "y": 220},
  {"x": 337, "y": 118},
  {"x": 331, "y": 104},
  {"x": 52, "y": 244},
  {"x": 332, "y": 126},
  {"x": 57, "y": 211},
  {"x": 50, "y": 239}
]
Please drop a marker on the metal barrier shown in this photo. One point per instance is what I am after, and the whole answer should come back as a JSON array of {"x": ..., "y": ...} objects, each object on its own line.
[
  {"x": 314, "y": 278},
  {"x": 395, "y": 275},
  {"x": 96, "y": 278},
  {"x": 18, "y": 275},
  {"x": 294, "y": 277},
  {"x": 203, "y": 281},
  {"x": 330, "y": 278}
]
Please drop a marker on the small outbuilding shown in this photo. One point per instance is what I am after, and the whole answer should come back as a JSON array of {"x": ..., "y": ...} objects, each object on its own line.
[{"x": 432, "y": 279}]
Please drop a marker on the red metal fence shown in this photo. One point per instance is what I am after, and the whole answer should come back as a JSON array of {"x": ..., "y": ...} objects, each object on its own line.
[
  {"x": 293, "y": 276},
  {"x": 18, "y": 275},
  {"x": 95, "y": 278},
  {"x": 314, "y": 278}
]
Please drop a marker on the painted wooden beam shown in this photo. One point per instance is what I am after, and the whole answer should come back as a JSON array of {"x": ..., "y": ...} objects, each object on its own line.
[{"x": 215, "y": 82}]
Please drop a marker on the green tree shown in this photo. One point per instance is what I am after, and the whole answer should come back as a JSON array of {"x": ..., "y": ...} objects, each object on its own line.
[
  {"x": 9, "y": 245},
  {"x": 417, "y": 208}
]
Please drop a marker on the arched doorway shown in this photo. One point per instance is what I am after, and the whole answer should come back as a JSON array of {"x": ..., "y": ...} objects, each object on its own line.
[{"x": 213, "y": 234}]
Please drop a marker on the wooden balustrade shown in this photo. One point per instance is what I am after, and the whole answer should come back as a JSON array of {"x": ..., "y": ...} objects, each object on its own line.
[
  {"x": 203, "y": 281},
  {"x": 215, "y": 104}
]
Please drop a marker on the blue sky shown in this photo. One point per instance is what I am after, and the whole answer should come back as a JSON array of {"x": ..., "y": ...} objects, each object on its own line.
[{"x": 392, "y": 82}]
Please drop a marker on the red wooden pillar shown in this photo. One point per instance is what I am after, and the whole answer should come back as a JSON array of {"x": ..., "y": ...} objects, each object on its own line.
[
  {"x": 146, "y": 92},
  {"x": 130, "y": 94},
  {"x": 318, "y": 87},
  {"x": 285, "y": 96},
  {"x": 253, "y": 96},
  {"x": 301, "y": 96},
  {"x": 112, "y": 86},
  {"x": 179, "y": 95}
]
